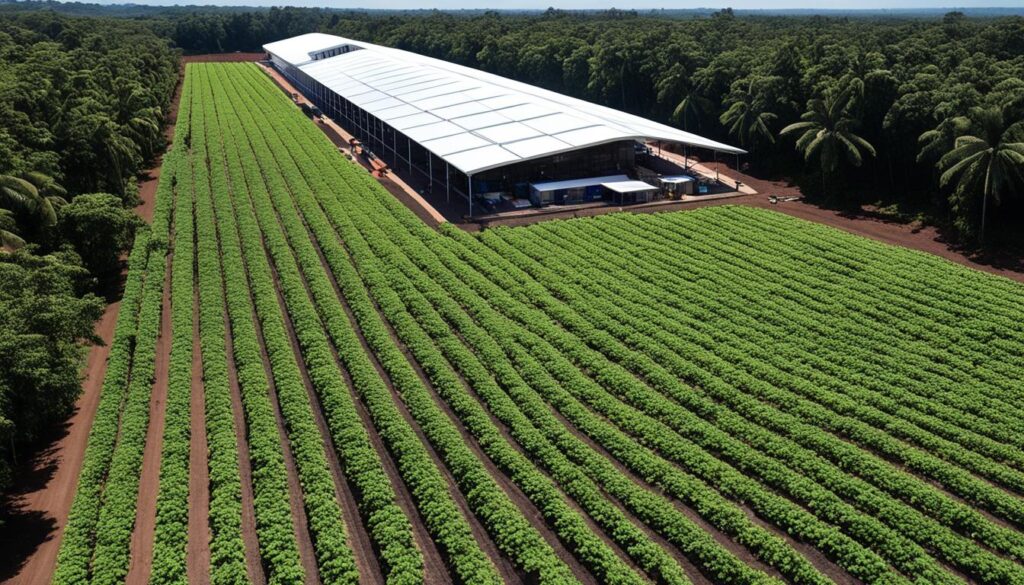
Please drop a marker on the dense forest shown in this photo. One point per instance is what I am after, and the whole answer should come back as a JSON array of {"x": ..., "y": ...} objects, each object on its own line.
[
  {"x": 82, "y": 105},
  {"x": 919, "y": 114}
]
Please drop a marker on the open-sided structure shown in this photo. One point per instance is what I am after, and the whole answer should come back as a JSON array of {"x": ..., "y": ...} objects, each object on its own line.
[{"x": 465, "y": 130}]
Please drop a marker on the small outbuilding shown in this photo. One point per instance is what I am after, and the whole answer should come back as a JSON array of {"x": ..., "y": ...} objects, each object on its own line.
[
  {"x": 572, "y": 190},
  {"x": 677, "y": 185}
]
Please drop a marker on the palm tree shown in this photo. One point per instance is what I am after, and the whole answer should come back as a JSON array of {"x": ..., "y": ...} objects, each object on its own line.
[
  {"x": 139, "y": 120},
  {"x": 691, "y": 107},
  {"x": 31, "y": 195},
  {"x": 940, "y": 140},
  {"x": 987, "y": 158},
  {"x": 747, "y": 118},
  {"x": 9, "y": 237},
  {"x": 826, "y": 130}
]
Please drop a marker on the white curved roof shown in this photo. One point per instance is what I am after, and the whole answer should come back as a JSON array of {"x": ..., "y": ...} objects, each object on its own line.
[{"x": 472, "y": 119}]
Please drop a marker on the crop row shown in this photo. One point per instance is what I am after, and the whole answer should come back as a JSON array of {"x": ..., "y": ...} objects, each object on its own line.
[
  {"x": 227, "y": 549},
  {"x": 274, "y": 523},
  {"x": 172, "y": 507}
]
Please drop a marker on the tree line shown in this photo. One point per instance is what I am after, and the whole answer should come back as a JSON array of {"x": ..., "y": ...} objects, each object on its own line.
[{"x": 82, "y": 107}]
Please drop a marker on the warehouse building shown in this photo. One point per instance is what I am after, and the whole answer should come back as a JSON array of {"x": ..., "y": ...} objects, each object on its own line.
[{"x": 471, "y": 134}]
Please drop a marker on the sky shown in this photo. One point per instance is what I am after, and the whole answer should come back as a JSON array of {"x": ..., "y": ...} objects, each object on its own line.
[{"x": 600, "y": 4}]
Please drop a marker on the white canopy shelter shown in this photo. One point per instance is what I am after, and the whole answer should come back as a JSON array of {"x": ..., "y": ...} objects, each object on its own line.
[
  {"x": 577, "y": 183},
  {"x": 629, "y": 186}
]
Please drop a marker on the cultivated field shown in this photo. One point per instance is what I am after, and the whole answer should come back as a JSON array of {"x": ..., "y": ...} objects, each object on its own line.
[{"x": 728, "y": 395}]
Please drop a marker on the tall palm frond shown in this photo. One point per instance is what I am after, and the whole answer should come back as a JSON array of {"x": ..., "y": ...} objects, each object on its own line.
[
  {"x": 9, "y": 237},
  {"x": 691, "y": 107},
  {"x": 746, "y": 118},
  {"x": 20, "y": 194},
  {"x": 987, "y": 158},
  {"x": 825, "y": 131}
]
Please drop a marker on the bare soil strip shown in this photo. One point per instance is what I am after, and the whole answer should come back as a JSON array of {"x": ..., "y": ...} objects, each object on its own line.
[
  {"x": 149, "y": 480},
  {"x": 257, "y": 575},
  {"x": 358, "y": 539},
  {"x": 198, "y": 550}
]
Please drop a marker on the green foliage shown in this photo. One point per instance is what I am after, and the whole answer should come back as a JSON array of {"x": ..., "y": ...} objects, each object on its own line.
[
  {"x": 33, "y": 198},
  {"x": 81, "y": 100},
  {"x": 826, "y": 130},
  {"x": 46, "y": 322},
  {"x": 986, "y": 161},
  {"x": 100, "y": 229},
  {"x": 747, "y": 117}
]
